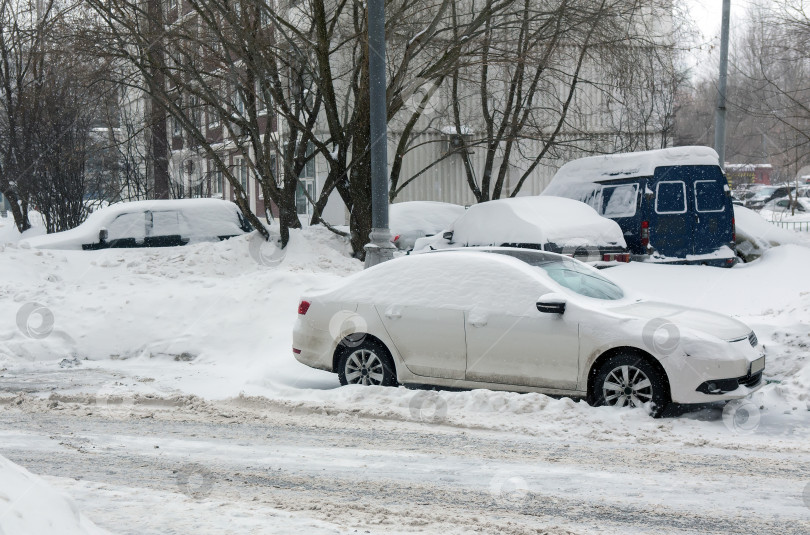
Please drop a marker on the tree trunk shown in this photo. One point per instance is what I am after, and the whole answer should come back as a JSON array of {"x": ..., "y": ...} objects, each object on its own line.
[
  {"x": 20, "y": 215},
  {"x": 157, "y": 112}
]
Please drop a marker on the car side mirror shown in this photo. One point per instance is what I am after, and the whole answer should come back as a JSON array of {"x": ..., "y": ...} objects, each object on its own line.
[
  {"x": 448, "y": 235},
  {"x": 102, "y": 235},
  {"x": 552, "y": 303}
]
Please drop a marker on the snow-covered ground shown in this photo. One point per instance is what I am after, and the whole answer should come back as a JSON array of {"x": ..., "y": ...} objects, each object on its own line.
[
  {"x": 29, "y": 505},
  {"x": 97, "y": 335}
]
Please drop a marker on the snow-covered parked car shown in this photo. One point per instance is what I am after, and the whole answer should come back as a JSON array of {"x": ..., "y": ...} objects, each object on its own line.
[
  {"x": 553, "y": 224},
  {"x": 412, "y": 220},
  {"x": 786, "y": 210},
  {"x": 155, "y": 223},
  {"x": 522, "y": 320}
]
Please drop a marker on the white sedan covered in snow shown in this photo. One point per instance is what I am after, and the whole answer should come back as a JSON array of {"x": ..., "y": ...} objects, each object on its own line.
[
  {"x": 547, "y": 223},
  {"x": 522, "y": 320}
]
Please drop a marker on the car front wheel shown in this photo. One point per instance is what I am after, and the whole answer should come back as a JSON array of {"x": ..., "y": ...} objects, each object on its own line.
[
  {"x": 628, "y": 380},
  {"x": 368, "y": 363}
]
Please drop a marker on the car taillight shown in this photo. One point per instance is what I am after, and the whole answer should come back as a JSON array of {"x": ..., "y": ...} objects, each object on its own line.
[
  {"x": 395, "y": 239},
  {"x": 620, "y": 257},
  {"x": 645, "y": 234},
  {"x": 303, "y": 306},
  {"x": 733, "y": 230}
]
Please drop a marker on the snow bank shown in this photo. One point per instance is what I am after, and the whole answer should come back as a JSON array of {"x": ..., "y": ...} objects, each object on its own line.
[
  {"x": 10, "y": 234},
  {"x": 755, "y": 235},
  {"x": 227, "y": 308},
  {"x": 539, "y": 220},
  {"x": 29, "y": 506}
]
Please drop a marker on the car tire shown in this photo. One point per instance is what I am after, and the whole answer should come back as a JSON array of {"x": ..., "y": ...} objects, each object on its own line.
[
  {"x": 367, "y": 363},
  {"x": 629, "y": 379}
]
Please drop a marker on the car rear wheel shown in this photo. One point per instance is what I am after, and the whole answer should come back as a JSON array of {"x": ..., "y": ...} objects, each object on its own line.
[
  {"x": 628, "y": 380},
  {"x": 368, "y": 363}
]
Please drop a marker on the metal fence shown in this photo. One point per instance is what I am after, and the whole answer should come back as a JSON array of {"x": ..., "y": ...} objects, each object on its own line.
[{"x": 799, "y": 226}]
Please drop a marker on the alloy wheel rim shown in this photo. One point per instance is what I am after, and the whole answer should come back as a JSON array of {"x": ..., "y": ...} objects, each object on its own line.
[
  {"x": 627, "y": 386},
  {"x": 363, "y": 367}
]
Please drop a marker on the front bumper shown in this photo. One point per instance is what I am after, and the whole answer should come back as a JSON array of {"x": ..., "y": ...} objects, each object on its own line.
[
  {"x": 726, "y": 376},
  {"x": 718, "y": 387}
]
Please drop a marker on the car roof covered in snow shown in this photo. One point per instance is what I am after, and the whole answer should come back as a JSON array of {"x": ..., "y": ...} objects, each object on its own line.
[
  {"x": 630, "y": 164},
  {"x": 426, "y": 216},
  {"x": 540, "y": 220}
]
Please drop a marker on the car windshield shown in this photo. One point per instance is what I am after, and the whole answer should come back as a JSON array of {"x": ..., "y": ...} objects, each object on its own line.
[
  {"x": 764, "y": 193},
  {"x": 569, "y": 274}
]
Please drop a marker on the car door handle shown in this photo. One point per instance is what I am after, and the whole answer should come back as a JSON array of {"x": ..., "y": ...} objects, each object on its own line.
[
  {"x": 478, "y": 323},
  {"x": 393, "y": 315}
]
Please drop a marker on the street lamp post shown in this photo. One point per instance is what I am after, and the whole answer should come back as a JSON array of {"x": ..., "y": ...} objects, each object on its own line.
[
  {"x": 380, "y": 249},
  {"x": 720, "y": 118}
]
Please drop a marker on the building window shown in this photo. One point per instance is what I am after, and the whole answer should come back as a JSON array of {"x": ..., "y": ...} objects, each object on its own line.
[
  {"x": 216, "y": 182},
  {"x": 242, "y": 175},
  {"x": 302, "y": 204}
]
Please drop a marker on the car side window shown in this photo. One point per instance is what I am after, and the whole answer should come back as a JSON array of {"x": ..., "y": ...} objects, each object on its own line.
[
  {"x": 782, "y": 204},
  {"x": 163, "y": 223},
  {"x": 670, "y": 197},
  {"x": 131, "y": 225}
]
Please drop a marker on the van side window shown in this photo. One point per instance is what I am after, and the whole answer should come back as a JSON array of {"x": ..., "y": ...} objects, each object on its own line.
[
  {"x": 670, "y": 197},
  {"x": 619, "y": 201},
  {"x": 709, "y": 196}
]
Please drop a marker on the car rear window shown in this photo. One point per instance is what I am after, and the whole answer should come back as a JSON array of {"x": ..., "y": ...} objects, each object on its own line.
[
  {"x": 709, "y": 196},
  {"x": 670, "y": 197},
  {"x": 619, "y": 201}
]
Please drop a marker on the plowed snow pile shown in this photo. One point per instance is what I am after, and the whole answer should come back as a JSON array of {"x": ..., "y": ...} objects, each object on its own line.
[{"x": 28, "y": 505}]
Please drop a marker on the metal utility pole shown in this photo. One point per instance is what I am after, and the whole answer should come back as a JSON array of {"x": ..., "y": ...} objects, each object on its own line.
[
  {"x": 720, "y": 118},
  {"x": 380, "y": 249}
]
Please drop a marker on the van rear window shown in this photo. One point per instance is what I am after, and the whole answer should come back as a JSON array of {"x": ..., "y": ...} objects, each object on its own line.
[
  {"x": 709, "y": 196},
  {"x": 670, "y": 197}
]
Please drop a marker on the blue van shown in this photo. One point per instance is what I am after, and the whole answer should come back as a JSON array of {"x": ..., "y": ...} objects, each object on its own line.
[{"x": 673, "y": 205}]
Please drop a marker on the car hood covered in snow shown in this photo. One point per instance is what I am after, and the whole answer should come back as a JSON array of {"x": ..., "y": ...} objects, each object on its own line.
[{"x": 710, "y": 323}]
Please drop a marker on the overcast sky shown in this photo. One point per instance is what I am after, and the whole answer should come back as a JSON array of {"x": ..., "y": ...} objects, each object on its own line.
[{"x": 707, "y": 16}]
